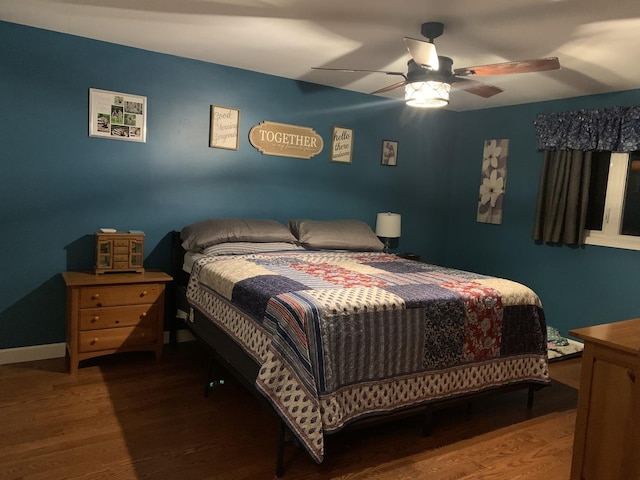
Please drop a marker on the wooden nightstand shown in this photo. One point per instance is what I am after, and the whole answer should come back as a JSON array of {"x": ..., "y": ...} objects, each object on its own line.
[{"x": 114, "y": 312}]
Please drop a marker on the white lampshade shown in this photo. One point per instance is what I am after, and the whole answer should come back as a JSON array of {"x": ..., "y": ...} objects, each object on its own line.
[
  {"x": 388, "y": 225},
  {"x": 429, "y": 94}
]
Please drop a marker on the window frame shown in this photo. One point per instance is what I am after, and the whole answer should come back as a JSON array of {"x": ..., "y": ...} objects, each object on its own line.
[{"x": 610, "y": 235}]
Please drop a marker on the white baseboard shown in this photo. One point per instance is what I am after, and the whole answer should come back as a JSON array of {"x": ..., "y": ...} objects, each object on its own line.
[
  {"x": 57, "y": 350},
  {"x": 183, "y": 336},
  {"x": 31, "y": 353}
]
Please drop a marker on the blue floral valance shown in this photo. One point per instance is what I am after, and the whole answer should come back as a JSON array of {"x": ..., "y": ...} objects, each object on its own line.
[{"x": 614, "y": 129}]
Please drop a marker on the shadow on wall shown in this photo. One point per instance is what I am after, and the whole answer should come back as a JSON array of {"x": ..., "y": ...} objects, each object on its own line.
[
  {"x": 160, "y": 256},
  {"x": 81, "y": 253},
  {"x": 37, "y": 318}
]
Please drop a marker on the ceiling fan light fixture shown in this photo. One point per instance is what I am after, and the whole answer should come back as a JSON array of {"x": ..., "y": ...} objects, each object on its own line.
[{"x": 430, "y": 94}]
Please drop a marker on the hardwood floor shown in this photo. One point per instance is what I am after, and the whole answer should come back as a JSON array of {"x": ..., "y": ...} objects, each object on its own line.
[{"x": 129, "y": 417}]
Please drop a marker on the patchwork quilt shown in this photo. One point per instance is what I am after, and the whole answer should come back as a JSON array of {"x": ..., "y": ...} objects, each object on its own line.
[{"x": 343, "y": 335}]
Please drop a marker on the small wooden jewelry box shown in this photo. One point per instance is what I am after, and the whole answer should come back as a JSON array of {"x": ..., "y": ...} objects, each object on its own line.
[{"x": 119, "y": 252}]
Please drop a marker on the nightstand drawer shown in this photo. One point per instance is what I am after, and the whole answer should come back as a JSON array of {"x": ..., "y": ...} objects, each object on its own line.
[
  {"x": 106, "y": 296},
  {"x": 123, "y": 257},
  {"x": 114, "y": 338},
  {"x": 110, "y": 317}
]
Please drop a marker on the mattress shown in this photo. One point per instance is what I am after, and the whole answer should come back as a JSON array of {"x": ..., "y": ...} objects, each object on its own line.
[{"x": 189, "y": 259}]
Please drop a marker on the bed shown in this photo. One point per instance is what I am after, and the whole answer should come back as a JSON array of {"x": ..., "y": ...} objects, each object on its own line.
[{"x": 331, "y": 330}]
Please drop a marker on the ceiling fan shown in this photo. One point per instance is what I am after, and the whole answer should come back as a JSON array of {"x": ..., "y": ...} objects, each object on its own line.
[{"x": 429, "y": 76}]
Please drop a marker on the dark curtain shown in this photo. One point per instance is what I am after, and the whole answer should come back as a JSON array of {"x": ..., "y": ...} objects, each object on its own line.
[
  {"x": 563, "y": 196},
  {"x": 567, "y": 139}
]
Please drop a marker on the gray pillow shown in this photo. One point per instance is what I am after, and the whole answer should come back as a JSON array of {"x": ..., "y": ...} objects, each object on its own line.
[
  {"x": 203, "y": 234},
  {"x": 335, "y": 235},
  {"x": 245, "y": 248}
]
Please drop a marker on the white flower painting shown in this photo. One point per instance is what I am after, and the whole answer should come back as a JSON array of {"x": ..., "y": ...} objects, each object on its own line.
[{"x": 493, "y": 181}]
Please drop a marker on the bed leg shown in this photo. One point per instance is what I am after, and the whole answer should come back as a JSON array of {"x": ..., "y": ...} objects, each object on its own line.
[
  {"x": 208, "y": 386},
  {"x": 280, "y": 451},
  {"x": 427, "y": 422},
  {"x": 211, "y": 383},
  {"x": 532, "y": 390}
]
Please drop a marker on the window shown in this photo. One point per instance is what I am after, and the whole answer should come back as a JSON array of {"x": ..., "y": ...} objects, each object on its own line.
[{"x": 613, "y": 215}]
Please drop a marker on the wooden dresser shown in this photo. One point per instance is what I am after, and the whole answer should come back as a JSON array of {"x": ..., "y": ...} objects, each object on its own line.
[
  {"x": 607, "y": 437},
  {"x": 114, "y": 312}
]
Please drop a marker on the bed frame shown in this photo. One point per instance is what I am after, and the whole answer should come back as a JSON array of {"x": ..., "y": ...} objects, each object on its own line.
[{"x": 227, "y": 353}]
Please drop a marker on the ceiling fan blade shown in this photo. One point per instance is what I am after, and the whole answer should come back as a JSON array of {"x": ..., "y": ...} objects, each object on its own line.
[
  {"x": 355, "y": 70},
  {"x": 423, "y": 53},
  {"x": 477, "y": 88},
  {"x": 523, "y": 66},
  {"x": 390, "y": 87}
]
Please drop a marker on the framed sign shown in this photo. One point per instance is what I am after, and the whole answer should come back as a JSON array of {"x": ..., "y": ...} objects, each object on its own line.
[
  {"x": 225, "y": 122},
  {"x": 341, "y": 144},
  {"x": 285, "y": 140},
  {"x": 493, "y": 181},
  {"x": 389, "y": 153},
  {"x": 119, "y": 116}
]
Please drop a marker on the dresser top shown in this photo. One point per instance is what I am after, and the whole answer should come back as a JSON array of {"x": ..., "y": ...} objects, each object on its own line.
[
  {"x": 623, "y": 335},
  {"x": 78, "y": 279}
]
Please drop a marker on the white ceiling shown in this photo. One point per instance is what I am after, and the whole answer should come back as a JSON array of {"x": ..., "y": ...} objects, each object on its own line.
[{"x": 597, "y": 41}]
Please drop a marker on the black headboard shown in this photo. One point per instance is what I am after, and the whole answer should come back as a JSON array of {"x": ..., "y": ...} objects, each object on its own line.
[{"x": 177, "y": 259}]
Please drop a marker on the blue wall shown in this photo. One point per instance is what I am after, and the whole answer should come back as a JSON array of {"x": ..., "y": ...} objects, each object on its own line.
[
  {"x": 577, "y": 286},
  {"x": 58, "y": 185}
]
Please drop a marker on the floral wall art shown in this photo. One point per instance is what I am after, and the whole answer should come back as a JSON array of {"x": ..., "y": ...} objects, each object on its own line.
[{"x": 493, "y": 181}]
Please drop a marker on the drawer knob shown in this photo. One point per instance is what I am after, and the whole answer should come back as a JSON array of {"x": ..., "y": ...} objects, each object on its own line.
[
  {"x": 95, "y": 295},
  {"x": 144, "y": 314},
  {"x": 144, "y": 292},
  {"x": 95, "y": 318},
  {"x": 94, "y": 341}
]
